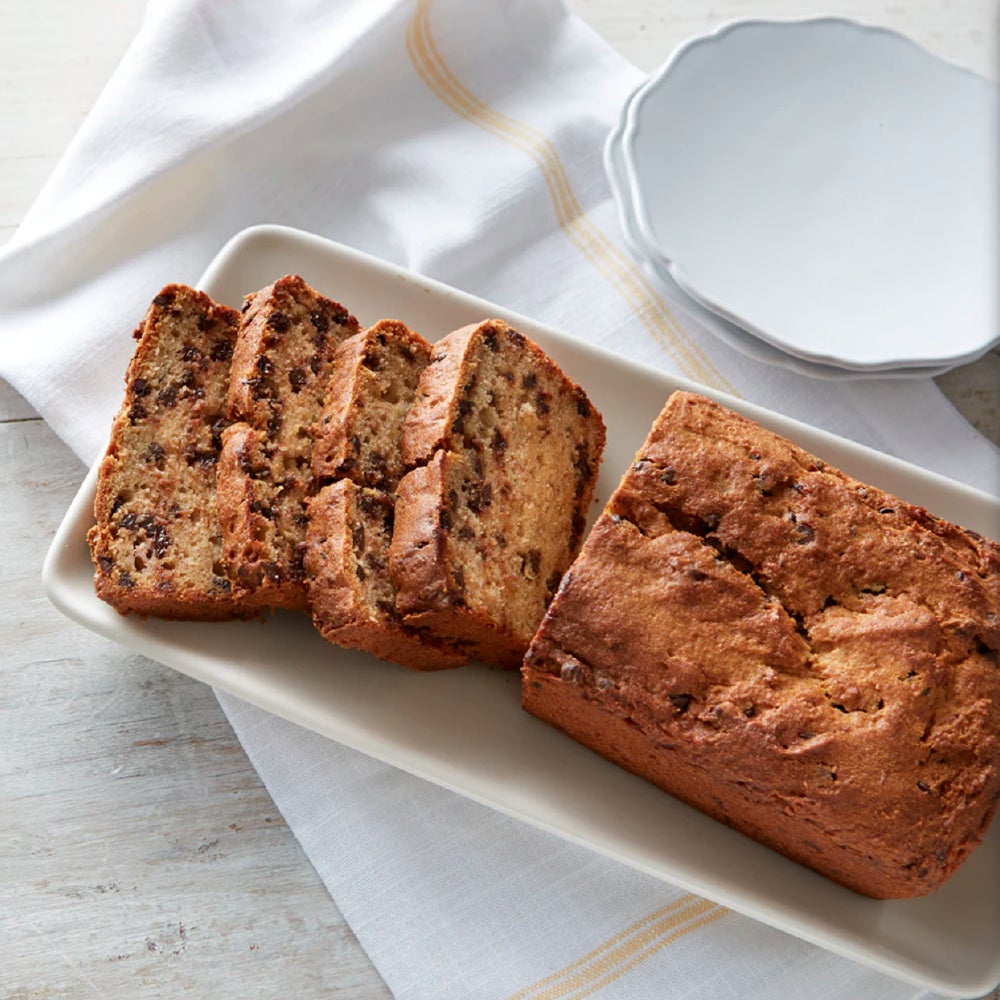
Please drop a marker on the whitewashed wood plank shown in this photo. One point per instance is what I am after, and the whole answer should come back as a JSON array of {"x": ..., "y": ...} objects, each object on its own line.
[{"x": 140, "y": 850}]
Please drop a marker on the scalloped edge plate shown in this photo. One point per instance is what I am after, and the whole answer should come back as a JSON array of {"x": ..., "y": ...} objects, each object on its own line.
[
  {"x": 731, "y": 334},
  {"x": 827, "y": 186}
]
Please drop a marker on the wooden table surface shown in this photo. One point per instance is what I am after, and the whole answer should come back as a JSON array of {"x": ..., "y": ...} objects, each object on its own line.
[{"x": 142, "y": 855}]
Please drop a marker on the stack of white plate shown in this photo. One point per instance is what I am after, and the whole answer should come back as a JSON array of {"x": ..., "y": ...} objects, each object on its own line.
[{"x": 823, "y": 193}]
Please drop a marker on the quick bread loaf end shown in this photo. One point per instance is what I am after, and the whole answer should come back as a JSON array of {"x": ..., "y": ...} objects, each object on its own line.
[{"x": 800, "y": 655}]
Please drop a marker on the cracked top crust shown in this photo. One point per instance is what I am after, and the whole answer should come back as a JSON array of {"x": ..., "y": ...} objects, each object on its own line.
[{"x": 801, "y": 655}]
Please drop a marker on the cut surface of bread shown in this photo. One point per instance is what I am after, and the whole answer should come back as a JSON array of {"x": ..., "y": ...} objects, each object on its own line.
[
  {"x": 281, "y": 365},
  {"x": 353, "y": 599},
  {"x": 800, "y": 655},
  {"x": 357, "y": 453},
  {"x": 504, "y": 451},
  {"x": 157, "y": 544}
]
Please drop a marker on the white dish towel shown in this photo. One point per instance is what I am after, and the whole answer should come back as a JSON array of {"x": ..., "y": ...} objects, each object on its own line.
[{"x": 462, "y": 141}]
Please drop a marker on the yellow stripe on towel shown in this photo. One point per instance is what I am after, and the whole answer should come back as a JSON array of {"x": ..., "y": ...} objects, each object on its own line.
[
  {"x": 620, "y": 272},
  {"x": 624, "y": 951}
]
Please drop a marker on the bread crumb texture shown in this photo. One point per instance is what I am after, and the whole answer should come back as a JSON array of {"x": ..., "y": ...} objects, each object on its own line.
[
  {"x": 156, "y": 544},
  {"x": 503, "y": 451},
  {"x": 800, "y": 655},
  {"x": 357, "y": 461},
  {"x": 281, "y": 366}
]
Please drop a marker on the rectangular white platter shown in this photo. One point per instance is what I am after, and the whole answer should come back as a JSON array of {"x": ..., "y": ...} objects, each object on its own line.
[{"x": 465, "y": 730}]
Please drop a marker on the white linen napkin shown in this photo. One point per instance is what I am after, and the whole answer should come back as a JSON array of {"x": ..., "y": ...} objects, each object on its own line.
[{"x": 462, "y": 141}]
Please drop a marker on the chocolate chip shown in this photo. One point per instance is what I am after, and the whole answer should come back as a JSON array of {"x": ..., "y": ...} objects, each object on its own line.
[
  {"x": 167, "y": 397},
  {"x": 372, "y": 361},
  {"x": 164, "y": 299},
  {"x": 805, "y": 534},
  {"x": 490, "y": 340},
  {"x": 140, "y": 387},
  {"x": 529, "y": 381},
  {"x": 582, "y": 403},
  {"x": 272, "y": 571},
  {"x": 190, "y": 353},
  {"x": 542, "y": 402},
  {"x": 222, "y": 350},
  {"x": 106, "y": 564},
  {"x": 479, "y": 496},
  {"x": 264, "y": 509},
  {"x": 278, "y": 322},
  {"x": 668, "y": 476},
  {"x": 319, "y": 320},
  {"x": 681, "y": 702},
  {"x": 297, "y": 378},
  {"x": 515, "y": 337},
  {"x": 138, "y": 412},
  {"x": 125, "y": 580}
]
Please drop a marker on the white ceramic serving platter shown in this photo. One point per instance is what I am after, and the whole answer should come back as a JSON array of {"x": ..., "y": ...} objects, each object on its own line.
[
  {"x": 827, "y": 186},
  {"x": 729, "y": 333},
  {"x": 465, "y": 730}
]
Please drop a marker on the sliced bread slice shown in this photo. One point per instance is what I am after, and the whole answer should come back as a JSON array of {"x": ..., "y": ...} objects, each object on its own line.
[
  {"x": 157, "y": 542},
  {"x": 357, "y": 456},
  {"x": 281, "y": 366},
  {"x": 504, "y": 451}
]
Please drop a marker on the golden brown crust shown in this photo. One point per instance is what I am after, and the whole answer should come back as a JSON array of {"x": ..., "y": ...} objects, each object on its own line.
[
  {"x": 800, "y": 655},
  {"x": 505, "y": 451},
  {"x": 155, "y": 544}
]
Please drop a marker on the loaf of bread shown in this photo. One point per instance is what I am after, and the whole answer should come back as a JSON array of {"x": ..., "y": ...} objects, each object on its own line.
[
  {"x": 281, "y": 367},
  {"x": 802, "y": 656},
  {"x": 357, "y": 460},
  {"x": 156, "y": 545},
  {"x": 503, "y": 451}
]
